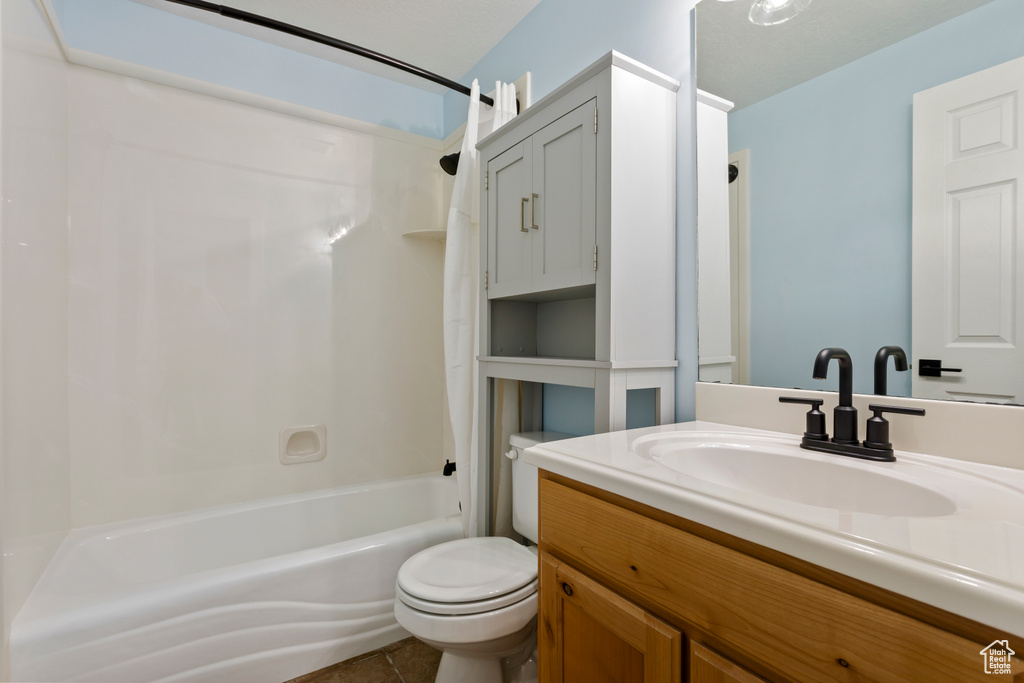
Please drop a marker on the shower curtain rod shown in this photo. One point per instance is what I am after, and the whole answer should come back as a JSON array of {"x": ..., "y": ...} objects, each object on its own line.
[{"x": 300, "y": 32}]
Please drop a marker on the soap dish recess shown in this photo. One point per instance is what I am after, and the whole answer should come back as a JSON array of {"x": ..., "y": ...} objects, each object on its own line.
[{"x": 302, "y": 444}]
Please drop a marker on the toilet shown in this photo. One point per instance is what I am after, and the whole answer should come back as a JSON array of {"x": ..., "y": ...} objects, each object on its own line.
[{"x": 475, "y": 599}]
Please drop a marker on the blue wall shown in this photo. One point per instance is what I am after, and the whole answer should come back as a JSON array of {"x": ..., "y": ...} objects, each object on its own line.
[
  {"x": 558, "y": 39},
  {"x": 134, "y": 33},
  {"x": 571, "y": 409},
  {"x": 830, "y": 193}
]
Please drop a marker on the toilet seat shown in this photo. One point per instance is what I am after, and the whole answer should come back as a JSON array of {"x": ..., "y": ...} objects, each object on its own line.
[
  {"x": 468, "y": 576},
  {"x": 458, "y": 608}
]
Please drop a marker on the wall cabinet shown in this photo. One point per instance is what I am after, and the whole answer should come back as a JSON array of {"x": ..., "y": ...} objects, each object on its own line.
[
  {"x": 578, "y": 237},
  {"x": 541, "y": 209},
  {"x": 746, "y": 613}
]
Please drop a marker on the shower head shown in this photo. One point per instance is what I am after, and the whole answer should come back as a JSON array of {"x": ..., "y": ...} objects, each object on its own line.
[{"x": 450, "y": 163}]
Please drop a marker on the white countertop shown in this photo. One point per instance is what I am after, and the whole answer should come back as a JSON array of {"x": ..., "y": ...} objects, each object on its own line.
[{"x": 969, "y": 561}]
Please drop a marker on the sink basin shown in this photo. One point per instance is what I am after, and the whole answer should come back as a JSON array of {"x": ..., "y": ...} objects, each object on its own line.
[{"x": 785, "y": 471}]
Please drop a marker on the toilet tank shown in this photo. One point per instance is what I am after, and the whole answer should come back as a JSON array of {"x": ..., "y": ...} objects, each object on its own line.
[{"x": 525, "y": 502}]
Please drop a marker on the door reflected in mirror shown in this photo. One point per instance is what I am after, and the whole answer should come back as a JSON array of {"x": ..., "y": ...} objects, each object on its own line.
[{"x": 837, "y": 194}]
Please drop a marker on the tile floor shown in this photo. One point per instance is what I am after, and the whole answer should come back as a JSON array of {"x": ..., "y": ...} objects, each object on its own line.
[{"x": 407, "y": 661}]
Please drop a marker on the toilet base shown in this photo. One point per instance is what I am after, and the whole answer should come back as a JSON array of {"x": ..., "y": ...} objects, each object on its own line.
[
  {"x": 510, "y": 659},
  {"x": 458, "y": 667}
]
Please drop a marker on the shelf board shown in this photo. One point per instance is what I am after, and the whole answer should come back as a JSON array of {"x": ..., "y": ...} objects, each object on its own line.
[
  {"x": 577, "y": 372},
  {"x": 427, "y": 234},
  {"x": 580, "y": 362}
]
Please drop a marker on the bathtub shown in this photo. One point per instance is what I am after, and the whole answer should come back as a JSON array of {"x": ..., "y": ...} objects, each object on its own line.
[{"x": 262, "y": 591}]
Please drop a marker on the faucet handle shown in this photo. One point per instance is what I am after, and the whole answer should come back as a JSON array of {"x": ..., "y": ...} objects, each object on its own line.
[
  {"x": 815, "y": 429},
  {"x": 878, "y": 426}
]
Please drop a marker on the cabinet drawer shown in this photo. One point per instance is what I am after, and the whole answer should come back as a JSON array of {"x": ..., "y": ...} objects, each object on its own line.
[{"x": 791, "y": 627}]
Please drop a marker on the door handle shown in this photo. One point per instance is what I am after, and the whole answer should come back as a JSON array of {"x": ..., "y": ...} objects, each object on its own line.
[
  {"x": 933, "y": 368},
  {"x": 522, "y": 215},
  {"x": 533, "y": 207}
]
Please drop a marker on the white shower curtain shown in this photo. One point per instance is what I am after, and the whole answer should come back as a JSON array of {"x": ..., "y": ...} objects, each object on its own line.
[
  {"x": 461, "y": 300},
  {"x": 507, "y": 417}
]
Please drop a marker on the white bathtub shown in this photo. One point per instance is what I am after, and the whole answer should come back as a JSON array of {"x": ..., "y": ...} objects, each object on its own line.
[{"x": 262, "y": 591}]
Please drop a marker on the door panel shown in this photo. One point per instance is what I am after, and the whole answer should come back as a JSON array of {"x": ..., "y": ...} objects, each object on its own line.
[
  {"x": 968, "y": 223},
  {"x": 709, "y": 667},
  {"x": 565, "y": 182},
  {"x": 589, "y": 633},
  {"x": 508, "y": 247}
]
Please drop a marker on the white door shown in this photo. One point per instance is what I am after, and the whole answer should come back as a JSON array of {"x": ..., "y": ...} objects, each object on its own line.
[{"x": 968, "y": 243}]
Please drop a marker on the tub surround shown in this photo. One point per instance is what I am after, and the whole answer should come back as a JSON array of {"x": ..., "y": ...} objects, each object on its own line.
[
  {"x": 35, "y": 438},
  {"x": 968, "y": 562}
]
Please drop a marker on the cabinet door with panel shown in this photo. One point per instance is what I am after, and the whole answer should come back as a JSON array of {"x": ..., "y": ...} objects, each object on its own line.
[
  {"x": 706, "y": 666},
  {"x": 565, "y": 201},
  {"x": 589, "y": 633},
  {"x": 509, "y": 245},
  {"x": 542, "y": 208}
]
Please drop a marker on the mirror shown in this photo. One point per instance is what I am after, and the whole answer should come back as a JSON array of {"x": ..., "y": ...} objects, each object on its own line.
[{"x": 824, "y": 118}]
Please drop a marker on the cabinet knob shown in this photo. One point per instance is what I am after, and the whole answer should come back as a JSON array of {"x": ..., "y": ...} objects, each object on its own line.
[{"x": 567, "y": 589}]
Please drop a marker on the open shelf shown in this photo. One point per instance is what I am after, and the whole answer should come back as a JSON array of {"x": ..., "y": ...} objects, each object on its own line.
[
  {"x": 439, "y": 235},
  {"x": 573, "y": 372}
]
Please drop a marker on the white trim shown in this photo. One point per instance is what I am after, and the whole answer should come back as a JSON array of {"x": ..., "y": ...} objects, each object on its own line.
[
  {"x": 716, "y": 360},
  {"x": 94, "y": 61},
  {"x": 51, "y": 19},
  {"x": 714, "y": 101},
  {"x": 740, "y": 278},
  {"x": 611, "y": 59}
]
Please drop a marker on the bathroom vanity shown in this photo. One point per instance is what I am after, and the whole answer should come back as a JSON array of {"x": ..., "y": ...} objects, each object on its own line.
[{"x": 666, "y": 555}]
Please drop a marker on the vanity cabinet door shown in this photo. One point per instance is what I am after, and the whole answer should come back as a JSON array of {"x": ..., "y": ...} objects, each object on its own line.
[
  {"x": 706, "y": 666},
  {"x": 589, "y": 633}
]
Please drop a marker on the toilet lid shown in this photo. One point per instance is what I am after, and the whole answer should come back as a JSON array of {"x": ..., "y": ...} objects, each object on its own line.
[{"x": 468, "y": 570}]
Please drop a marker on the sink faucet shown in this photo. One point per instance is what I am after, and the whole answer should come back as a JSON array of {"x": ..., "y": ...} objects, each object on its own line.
[
  {"x": 899, "y": 361},
  {"x": 844, "y": 417}
]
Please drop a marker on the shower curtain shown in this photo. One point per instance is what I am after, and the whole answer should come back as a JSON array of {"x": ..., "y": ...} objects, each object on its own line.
[{"x": 461, "y": 300}]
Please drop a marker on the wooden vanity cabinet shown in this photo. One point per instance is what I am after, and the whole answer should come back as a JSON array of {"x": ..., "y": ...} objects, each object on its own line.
[{"x": 630, "y": 593}]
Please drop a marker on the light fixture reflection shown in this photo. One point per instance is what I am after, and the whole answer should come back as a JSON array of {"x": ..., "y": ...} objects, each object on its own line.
[{"x": 771, "y": 12}]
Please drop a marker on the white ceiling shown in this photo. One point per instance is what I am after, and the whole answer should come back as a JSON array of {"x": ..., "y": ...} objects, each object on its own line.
[
  {"x": 745, "y": 63},
  {"x": 447, "y": 37}
]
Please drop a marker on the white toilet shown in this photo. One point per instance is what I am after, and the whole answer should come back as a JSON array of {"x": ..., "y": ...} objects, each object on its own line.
[{"x": 475, "y": 599}]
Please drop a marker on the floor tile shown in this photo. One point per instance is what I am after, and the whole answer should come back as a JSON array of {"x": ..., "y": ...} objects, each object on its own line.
[
  {"x": 416, "y": 661},
  {"x": 404, "y": 661}
]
